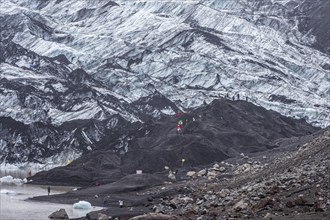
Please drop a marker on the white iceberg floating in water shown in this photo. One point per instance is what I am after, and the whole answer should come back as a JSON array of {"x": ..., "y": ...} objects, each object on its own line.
[{"x": 82, "y": 205}]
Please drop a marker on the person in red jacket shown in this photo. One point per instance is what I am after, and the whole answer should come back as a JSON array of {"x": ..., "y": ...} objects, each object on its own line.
[{"x": 178, "y": 129}]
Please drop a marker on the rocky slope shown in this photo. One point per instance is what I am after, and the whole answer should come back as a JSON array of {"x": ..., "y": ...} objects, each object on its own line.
[
  {"x": 64, "y": 60},
  {"x": 292, "y": 186},
  {"x": 221, "y": 130},
  {"x": 288, "y": 182}
]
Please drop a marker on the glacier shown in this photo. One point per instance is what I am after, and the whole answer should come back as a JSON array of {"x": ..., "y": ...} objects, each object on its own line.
[
  {"x": 253, "y": 48},
  {"x": 68, "y": 61}
]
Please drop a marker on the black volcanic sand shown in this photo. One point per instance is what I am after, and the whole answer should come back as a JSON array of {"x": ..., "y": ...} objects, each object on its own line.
[
  {"x": 221, "y": 130},
  {"x": 132, "y": 189},
  {"x": 140, "y": 192},
  {"x": 217, "y": 132}
]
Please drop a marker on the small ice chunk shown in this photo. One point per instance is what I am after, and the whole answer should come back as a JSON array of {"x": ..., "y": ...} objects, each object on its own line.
[
  {"x": 82, "y": 205},
  {"x": 8, "y": 192}
]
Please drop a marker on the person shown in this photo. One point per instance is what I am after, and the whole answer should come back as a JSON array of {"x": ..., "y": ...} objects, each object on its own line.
[
  {"x": 48, "y": 190},
  {"x": 178, "y": 114},
  {"x": 121, "y": 203},
  {"x": 69, "y": 161},
  {"x": 246, "y": 98},
  {"x": 182, "y": 161},
  {"x": 237, "y": 96},
  {"x": 30, "y": 173},
  {"x": 178, "y": 129},
  {"x": 233, "y": 98}
]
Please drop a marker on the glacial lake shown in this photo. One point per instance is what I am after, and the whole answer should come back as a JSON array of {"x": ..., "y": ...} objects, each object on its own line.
[{"x": 13, "y": 204}]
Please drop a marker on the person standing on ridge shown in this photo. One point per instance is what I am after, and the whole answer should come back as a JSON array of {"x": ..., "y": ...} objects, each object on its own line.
[
  {"x": 48, "y": 190},
  {"x": 237, "y": 96}
]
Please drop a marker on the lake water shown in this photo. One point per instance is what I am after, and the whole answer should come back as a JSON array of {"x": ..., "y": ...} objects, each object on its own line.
[{"x": 14, "y": 207}]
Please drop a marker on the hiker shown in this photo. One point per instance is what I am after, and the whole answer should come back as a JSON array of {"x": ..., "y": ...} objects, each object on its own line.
[
  {"x": 178, "y": 129},
  {"x": 182, "y": 161},
  {"x": 237, "y": 96},
  {"x": 246, "y": 98},
  {"x": 68, "y": 162},
  {"x": 178, "y": 114},
  {"x": 121, "y": 203},
  {"x": 48, "y": 190},
  {"x": 30, "y": 173},
  {"x": 227, "y": 95},
  {"x": 233, "y": 98}
]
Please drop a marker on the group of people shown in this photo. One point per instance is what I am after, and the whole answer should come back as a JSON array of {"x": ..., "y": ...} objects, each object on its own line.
[
  {"x": 178, "y": 127},
  {"x": 180, "y": 122},
  {"x": 237, "y": 97}
]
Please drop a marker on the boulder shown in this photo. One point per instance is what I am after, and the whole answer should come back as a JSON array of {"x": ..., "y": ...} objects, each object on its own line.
[
  {"x": 264, "y": 202},
  {"x": 222, "y": 169},
  {"x": 191, "y": 173},
  {"x": 212, "y": 173},
  {"x": 154, "y": 216},
  {"x": 174, "y": 203},
  {"x": 60, "y": 214},
  {"x": 202, "y": 172},
  {"x": 301, "y": 201},
  {"x": 240, "y": 205},
  {"x": 186, "y": 199},
  {"x": 158, "y": 208},
  {"x": 101, "y": 216},
  {"x": 269, "y": 216},
  {"x": 224, "y": 192}
]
